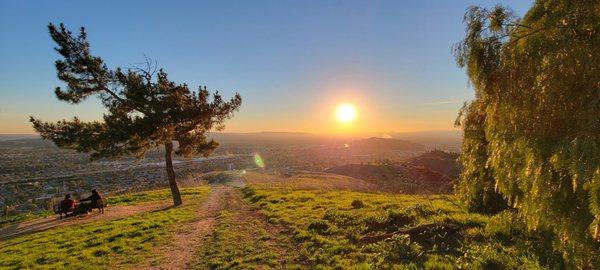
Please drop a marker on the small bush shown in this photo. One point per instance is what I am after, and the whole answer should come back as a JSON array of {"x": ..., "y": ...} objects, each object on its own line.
[
  {"x": 419, "y": 210},
  {"x": 256, "y": 198},
  {"x": 505, "y": 226},
  {"x": 357, "y": 204},
  {"x": 218, "y": 178},
  {"x": 390, "y": 222},
  {"x": 339, "y": 218},
  {"x": 248, "y": 191},
  {"x": 318, "y": 226},
  {"x": 375, "y": 223},
  {"x": 398, "y": 219},
  {"x": 401, "y": 249}
]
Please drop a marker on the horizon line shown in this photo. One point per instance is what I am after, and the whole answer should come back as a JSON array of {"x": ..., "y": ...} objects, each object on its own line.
[{"x": 289, "y": 132}]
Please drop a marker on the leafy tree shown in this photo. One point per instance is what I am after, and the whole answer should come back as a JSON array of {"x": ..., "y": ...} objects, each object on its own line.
[
  {"x": 144, "y": 109},
  {"x": 537, "y": 105},
  {"x": 476, "y": 187}
]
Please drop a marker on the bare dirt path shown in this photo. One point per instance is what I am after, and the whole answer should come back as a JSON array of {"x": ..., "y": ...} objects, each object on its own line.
[
  {"x": 110, "y": 213},
  {"x": 243, "y": 238},
  {"x": 190, "y": 236}
]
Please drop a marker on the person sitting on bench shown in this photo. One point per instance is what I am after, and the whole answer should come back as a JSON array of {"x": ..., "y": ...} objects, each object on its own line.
[
  {"x": 95, "y": 200},
  {"x": 66, "y": 205}
]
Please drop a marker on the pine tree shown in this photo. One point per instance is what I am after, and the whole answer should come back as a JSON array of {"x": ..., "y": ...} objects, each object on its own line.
[{"x": 144, "y": 109}]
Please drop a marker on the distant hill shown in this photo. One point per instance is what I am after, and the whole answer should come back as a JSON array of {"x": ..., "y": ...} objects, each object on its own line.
[
  {"x": 449, "y": 140},
  {"x": 445, "y": 140},
  {"x": 379, "y": 145},
  {"x": 11, "y": 137},
  {"x": 439, "y": 161},
  {"x": 264, "y": 137},
  {"x": 398, "y": 178}
]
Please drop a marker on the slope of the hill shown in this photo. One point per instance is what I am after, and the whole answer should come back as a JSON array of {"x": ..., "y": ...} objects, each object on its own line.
[
  {"x": 101, "y": 241},
  {"x": 287, "y": 223},
  {"x": 438, "y": 161},
  {"x": 338, "y": 229},
  {"x": 382, "y": 145},
  {"x": 398, "y": 178}
]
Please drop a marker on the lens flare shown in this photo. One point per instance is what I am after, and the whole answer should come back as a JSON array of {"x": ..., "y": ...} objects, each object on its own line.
[{"x": 259, "y": 161}]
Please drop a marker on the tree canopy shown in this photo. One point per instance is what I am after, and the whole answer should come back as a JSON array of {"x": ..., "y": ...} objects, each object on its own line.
[
  {"x": 532, "y": 133},
  {"x": 144, "y": 108}
]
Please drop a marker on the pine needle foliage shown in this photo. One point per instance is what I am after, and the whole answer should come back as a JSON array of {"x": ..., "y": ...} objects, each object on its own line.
[{"x": 145, "y": 109}]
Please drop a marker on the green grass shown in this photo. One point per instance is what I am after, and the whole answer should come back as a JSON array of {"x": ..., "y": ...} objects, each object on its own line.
[
  {"x": 340, "y": 229},
  {"x": 103, "y": 244},
  {"x": 296, "y": 228},
  {"x": 153, "y": 195},
  {"x": 219, "y": 177},
  {"x": 125, "y": 199},
  {"x": 24, "y": 217}
]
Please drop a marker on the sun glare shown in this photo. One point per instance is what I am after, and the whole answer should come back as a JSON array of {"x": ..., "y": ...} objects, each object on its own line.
[{"x": 345, "y": 112}]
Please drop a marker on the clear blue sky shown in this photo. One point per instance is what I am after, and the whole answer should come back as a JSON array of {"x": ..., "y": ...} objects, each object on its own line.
[{"x": 292, "y": 61}]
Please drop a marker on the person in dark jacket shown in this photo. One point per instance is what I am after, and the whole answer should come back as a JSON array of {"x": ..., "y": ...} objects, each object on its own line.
[{"x": 96, "y": 201}]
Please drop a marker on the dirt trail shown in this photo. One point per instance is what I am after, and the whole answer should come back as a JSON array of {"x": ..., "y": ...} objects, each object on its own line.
[
  {"x": 245, "y": 232},
  {"x": 110, "y": 213},
  {"x": 190, "y": 236}
]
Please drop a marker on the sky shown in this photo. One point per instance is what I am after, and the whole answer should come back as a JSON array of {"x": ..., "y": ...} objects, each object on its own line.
[{"x": 293, "y": 62}]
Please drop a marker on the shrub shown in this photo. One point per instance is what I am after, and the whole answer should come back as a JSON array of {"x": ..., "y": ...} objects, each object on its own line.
[
  {"x": 218, "y": 177},
  {"x": 401, "y": 249},
  {"x": 505, "y": 226},
  {"x": 356, "y": 204},
  {"x": 248, "y": 191},
  {"x": 340, "y": 218},
  {"x": 375, "y": 223},
  {"x": 396, "y": 219},
  {"x": 319, "y": 226}
]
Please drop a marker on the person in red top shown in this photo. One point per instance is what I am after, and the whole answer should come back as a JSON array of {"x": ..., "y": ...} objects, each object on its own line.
[{"x": 66, "y": 205}]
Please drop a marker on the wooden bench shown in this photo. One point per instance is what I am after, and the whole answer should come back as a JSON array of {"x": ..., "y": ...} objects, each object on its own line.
[{"x": 81, "y": 208}]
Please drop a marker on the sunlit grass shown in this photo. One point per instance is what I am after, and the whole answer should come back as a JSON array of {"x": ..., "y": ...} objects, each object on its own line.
[
  {"x": 102, "y": 244},
  {"x": 125, "y": 199},
  {"x": 153, "y": 195},
  {"x": 335, "y": 229}
]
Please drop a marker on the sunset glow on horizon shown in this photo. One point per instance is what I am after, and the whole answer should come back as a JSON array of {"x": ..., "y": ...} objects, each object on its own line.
[{"x": 397, "y": 78}]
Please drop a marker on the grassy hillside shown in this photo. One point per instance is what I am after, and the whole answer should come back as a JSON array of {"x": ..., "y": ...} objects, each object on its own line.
[
  {"x": 344, "y": 229},
  {"x": 126, "y": 199},
  {"x": 102, "y": 244},
  {"x": 398, "y": 178},
  {"x": 291, "y": 223},
  {"x": 438, "y": 161}
]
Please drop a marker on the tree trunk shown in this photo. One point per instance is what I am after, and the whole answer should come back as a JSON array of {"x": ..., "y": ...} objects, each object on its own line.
[{"x": 171, "y": 174}]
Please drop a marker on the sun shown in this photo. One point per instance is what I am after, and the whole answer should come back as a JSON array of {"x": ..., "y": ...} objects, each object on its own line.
[{"x": 345, "y": 112}]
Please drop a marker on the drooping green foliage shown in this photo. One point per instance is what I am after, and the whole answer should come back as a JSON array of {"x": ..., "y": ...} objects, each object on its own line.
[
  {"x": 533, "y": 130},
  {"x": 144, "y": 108},
  {"x": 477, "y": 185}
]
